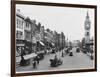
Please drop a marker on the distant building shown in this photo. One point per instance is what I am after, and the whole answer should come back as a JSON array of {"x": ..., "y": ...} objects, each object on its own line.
[
  {"x": 38, "y": 32},
  {"x": 48, "y": 38},
  {"x": 29, "y": 35},
  {"x": 62, "y": 39},
  {"x": 75, "y": 43},
  {"x": 59, "y": 40},
  {"x": 28, "y": 25},
  {"x": 33, "y": 31},
  {"x": 42, "y": 33}
]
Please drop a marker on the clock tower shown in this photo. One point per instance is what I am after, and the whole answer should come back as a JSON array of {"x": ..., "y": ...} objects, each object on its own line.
[{"x": 87, "y": 26}]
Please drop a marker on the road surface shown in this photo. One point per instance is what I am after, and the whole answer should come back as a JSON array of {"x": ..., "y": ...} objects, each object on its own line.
[{"x": 77, "y": 61}]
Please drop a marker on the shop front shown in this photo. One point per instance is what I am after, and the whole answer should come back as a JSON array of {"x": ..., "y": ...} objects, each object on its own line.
[
  {"x": 28, "y": 47},
  {"x": 20, "y": 47}
]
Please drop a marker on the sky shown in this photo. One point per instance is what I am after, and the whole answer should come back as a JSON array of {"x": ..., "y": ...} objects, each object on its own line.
[{"x": 68, "y": 20}]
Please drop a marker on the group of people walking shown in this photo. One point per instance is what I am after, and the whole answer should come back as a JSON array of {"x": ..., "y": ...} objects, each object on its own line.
[{"x": 67, "y": 51}]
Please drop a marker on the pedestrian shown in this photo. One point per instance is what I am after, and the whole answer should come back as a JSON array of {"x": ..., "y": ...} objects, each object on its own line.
[
  {"x": 37, "y": 61},
  {"x": 62, "y": 54},
  {"x": 23, "y": 61},
  {"x": 45, "y": 51},
  {"x": 55, "y": 58},
  {"x": 91, "y": 54},
  {"x": 48, "y": 52},
  {"x": 34, "y": 64}
]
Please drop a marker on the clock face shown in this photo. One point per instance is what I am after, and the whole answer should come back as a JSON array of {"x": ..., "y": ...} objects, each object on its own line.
[{"x": 87, "y": 27}]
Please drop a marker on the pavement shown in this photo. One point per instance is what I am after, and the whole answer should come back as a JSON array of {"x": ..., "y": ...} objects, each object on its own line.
[{"x": 77, "y": 61}]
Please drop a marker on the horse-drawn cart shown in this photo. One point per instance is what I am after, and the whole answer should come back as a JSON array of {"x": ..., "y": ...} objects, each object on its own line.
[{"x": 55, "y": 63}]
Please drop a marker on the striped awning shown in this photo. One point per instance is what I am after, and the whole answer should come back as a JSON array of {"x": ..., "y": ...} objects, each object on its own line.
[
  {"x": 26, "y": 57},
  {"x": 41, "y": 43}
]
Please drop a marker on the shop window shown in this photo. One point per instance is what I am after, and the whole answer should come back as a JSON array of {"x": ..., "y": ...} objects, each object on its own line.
[{"x": 27, "y": 24}]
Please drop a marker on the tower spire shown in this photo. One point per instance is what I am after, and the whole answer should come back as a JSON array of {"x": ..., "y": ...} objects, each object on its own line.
[{"x": 87, "y": 15}]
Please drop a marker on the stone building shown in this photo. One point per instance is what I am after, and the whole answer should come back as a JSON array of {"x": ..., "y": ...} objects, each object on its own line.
[
  {"x": 87, "y": 41},
  {"x": 28, "y": 37},
  {"x": 87, "y": 26},
  {"x": 20, "y": 23}
]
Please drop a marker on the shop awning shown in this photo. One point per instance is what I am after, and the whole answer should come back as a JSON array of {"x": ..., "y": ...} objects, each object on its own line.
[
  {"x": 30, "y": 56},
  {"x": 41, "y": 43},
  {"x": 40, "y": 52},
  {"x": 20, "y": 44},
  {"x": 52, "y": 44},
  {"x": 26, "y": 57}
]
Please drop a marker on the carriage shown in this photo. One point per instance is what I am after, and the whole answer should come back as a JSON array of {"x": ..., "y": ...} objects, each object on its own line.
[{"x": 55, "y": 62}]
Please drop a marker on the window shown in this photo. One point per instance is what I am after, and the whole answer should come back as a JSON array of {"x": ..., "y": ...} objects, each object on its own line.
[
  {"x": 28, "y": 36},
  {"x": 19, "y": 35},
  {"x": 17, "y": 23},
  {"x": 87, "y": 33},
  {"x": 22, "y": 25},
  {"x": 27, "y": 24}
]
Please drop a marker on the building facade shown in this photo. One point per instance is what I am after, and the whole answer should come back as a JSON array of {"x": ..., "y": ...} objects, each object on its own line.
[
  {"x": 28, "y": 35},
  {"x": 20, "y": 23},
  {"x": 31, "y": 37}
]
